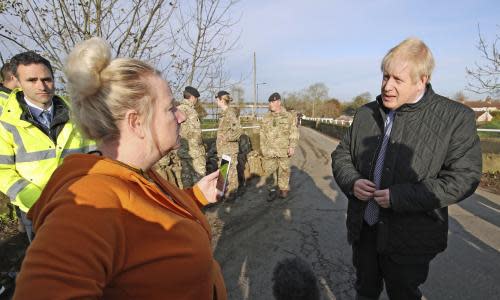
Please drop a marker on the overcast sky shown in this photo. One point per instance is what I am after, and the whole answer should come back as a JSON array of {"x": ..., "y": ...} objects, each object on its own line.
[{"x": 341, "y": 43}]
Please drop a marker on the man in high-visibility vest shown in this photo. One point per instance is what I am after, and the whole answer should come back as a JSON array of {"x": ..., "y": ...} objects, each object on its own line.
[
  {"x": 35, "y": 133},
  {"x": 8, "y": 83}
]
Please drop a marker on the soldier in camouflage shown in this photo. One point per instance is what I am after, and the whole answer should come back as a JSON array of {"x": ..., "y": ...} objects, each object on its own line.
[
  {"x": 191, "y": 152},
  {"x": 278, "y": 138},
  {"x": 228, "y": 136}
]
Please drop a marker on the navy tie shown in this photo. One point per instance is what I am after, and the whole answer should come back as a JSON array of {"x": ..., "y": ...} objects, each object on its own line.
[
  {"x": 45, "y": 118},
  {"x": 372, "y": 209}
]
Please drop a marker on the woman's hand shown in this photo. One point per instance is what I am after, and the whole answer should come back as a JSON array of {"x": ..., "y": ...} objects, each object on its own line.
[{"x": 207, "y": 186}]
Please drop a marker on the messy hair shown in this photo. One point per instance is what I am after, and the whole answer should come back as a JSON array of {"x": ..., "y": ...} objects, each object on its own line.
[{"x": 416, "y": 53}]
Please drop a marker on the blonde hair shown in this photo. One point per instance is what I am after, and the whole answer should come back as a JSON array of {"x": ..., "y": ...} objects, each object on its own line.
[
  {"x": 226, "y": 99},
  {"x": 103, "y": 89},
  {"x": 416, "y": 53}
]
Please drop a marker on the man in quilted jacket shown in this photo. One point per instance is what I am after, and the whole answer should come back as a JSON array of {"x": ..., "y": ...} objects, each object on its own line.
[{"x": 406, "y": 157}]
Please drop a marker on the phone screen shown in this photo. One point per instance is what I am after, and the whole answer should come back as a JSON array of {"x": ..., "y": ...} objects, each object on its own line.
[{"x": 224, "y": 170}]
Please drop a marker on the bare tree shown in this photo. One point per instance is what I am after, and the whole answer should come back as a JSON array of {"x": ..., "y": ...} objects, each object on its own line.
[
  {"x": 484, "y": 77},
  {"x": 187, "y": 40},
  {"x": 361, "y": 100},
  {"x": 312, "y": 100},
  {"x": 136, "y": 28},
  {"x": 459, "y": 96},
  {"x": 203, "y": 39},
  {"x": 238, "y": 94},
  {"x": 314, "y": 93}
]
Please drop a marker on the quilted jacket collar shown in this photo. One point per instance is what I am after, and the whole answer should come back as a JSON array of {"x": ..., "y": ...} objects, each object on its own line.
[{"x": 426, "y": 100}]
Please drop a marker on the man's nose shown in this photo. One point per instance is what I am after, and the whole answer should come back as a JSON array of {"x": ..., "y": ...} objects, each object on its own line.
[
  {"x": 42, "y": 85},
  {"x": 389, "y": 84},
  {"x": 181, "y": 117}
]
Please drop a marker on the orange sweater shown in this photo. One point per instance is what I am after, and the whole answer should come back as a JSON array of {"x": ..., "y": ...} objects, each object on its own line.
[{"x": 105, "y": 231}]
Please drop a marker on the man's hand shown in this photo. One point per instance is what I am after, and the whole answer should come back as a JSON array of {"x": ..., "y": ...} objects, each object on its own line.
[
  {"x": 363, "y": 189},
  {"x": 382, "y": 197},
  {"x": 291, "y": 151},
  {"x": 207, "y": 186}
]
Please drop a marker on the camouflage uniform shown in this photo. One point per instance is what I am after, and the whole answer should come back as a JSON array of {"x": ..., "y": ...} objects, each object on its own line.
[
  {"x": 278, "y": 132},
  {"x": 228, "y": 136},
  {"x": 169, "y": 167},
  {"x": 192, "y": 151}
]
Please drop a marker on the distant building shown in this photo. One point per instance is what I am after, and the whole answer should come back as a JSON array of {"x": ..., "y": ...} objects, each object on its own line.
[
  {"x": 345, "y": 118},
  {"x": 483, "y": 116},
  {"x": 486, "y": 105}
]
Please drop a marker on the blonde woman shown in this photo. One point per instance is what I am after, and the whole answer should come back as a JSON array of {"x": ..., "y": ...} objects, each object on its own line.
[
  {"x": 228, "y": 136},
  {"x": 106, "y": 226}
]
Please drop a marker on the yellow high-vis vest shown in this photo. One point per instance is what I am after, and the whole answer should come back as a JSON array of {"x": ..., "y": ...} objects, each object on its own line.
[
  {"x": 4, "y": 95},
  {"x": 28, "y": 156}
]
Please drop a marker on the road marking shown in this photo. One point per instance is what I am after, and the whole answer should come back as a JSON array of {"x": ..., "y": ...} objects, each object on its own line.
[
  {"x": 479, "y": 228},
  {"x": 486, "y": 205},
  {"x": 244, "y": 280},
  {"x": 329, "y": 293}
]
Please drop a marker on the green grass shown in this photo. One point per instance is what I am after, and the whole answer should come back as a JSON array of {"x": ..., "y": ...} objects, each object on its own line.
[
  {"x": 489, "y": 135},
  {"x": 494, "y": 124},
  {"x": 208, "y": 124}
]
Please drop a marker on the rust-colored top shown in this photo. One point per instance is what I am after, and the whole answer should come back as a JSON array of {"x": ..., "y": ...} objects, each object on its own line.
[{"x": 103, "y": 230}]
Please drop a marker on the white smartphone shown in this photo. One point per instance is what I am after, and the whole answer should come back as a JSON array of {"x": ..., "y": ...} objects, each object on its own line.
[{"x": 225, "y": 163}]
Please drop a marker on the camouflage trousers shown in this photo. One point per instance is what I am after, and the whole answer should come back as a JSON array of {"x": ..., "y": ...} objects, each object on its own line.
[
  {"x": 277, "y": 169},
  {"x": 192, "y": 170},
  {"x": 232, "y": 180}
]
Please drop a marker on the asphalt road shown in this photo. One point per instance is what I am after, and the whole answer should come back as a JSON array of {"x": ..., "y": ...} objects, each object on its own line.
[{"x": 252, "y": 235}]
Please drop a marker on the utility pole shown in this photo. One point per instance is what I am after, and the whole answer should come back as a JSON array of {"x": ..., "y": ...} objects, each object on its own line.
[
  {"x": 254, "y": 112},
  {"x": 257, "y": 85}
]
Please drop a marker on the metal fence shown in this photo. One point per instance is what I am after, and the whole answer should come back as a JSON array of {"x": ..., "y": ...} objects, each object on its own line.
[
  {"x": 335, "y": 122},
  {"x": 215, "y": 129},
  {"x": 329, "y": 121},
  {"x": 348, "y": 123}
]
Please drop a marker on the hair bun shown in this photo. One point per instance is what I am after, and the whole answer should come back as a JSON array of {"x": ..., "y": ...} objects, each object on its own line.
[{"x": 84, "y": 66}]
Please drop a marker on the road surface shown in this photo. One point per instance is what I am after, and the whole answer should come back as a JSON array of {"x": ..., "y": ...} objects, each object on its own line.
[{"x": 252, "y": 235}]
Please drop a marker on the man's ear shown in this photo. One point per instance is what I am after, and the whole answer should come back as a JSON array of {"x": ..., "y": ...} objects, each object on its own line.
[
  {"x": 422, "y": 83},
  {"x": 134, "y": 123},
  {"x": 18, "y": 83}
]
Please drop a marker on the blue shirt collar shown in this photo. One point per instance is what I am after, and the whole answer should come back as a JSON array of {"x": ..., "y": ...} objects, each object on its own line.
[{"x": 36, "y": 111}]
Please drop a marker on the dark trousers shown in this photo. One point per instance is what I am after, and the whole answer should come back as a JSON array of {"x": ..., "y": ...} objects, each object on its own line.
[{"x": 402, "y": 275}]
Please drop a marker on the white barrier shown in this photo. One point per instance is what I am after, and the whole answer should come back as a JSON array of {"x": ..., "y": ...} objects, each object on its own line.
[
  {"x": 348, "y": 123},
  {"x": 215, "y": 129},
  {"x": 331, "y": 121}
]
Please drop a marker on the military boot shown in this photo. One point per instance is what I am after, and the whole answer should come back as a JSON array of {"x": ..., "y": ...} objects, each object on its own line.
[
  {"x": 283, "y": 194},
  {"x": 273, "y": 194}
]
